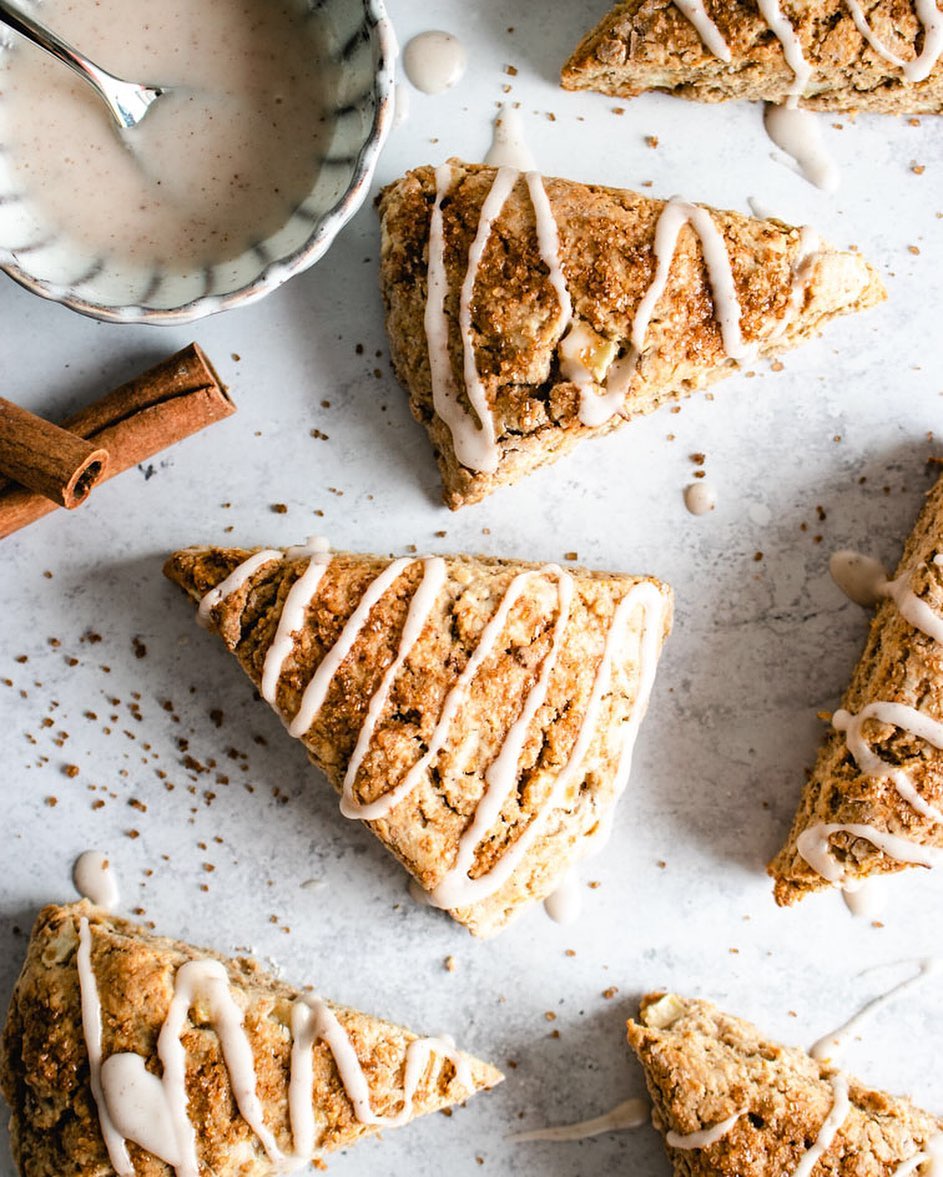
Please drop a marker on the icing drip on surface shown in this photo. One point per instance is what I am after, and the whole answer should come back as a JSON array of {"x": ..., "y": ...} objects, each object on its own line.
[
  {"x": 508, "y": 146},
  {"x": 709, "y": 33},
  {"x": 813, "y": 846},
  {"x": 704, "y": 1137},
  {"x": 830, "y": 1048},
  {"x": 798, "y": 132},
  {"x": 95, "y": 880},
  {"x": 434, "y": 61},
  {"x": 841, "y": 1105},
  {"x": 908, "y": 719},
  {"x": 134, "y": 1104},
  {"x": 864, "y": 898},
  {"x": 233, "y": 582},
  {"x": 859, "y": 577},
  {"x": 700, "y": 498},
  {"x": 565, "y": 903},
  {"x": 631, "y": 1113}
]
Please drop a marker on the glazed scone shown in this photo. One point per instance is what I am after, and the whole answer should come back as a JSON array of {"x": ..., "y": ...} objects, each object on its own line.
[
  {"x": 729, "y": 50},
  {"x": 874, "y": 801},
  {"x": 525, "y": 314},
  {"x": 478, "y": 714},
  {"x": 731, "y": 1103},
  {"x": 107, "y": 1018}
]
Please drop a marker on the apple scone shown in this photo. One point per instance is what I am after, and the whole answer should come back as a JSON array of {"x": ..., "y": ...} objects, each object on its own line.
[
  {"x": 125, "y": 1053},
  {"x": 874, "y": 801},
  {"x": 731, "y": 1103},
  {"x": 842, "y": 55},
  {"x": 478, "y": 714},
  {"x": 526, "y": 313}
]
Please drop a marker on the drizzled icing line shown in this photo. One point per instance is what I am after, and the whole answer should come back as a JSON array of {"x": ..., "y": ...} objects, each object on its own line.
[
  {"x": 153, "y": 1112},
  {"x": 841, "y": 1106},
  {"x": 703, "y": 1137},
  {"x": 914, "y": 610},
  {"x": 917, "y": 69},
  {"x": 456, "y": 888},
  {"x": 476, "y": 445},
  {"x": 233, "y": 582}
]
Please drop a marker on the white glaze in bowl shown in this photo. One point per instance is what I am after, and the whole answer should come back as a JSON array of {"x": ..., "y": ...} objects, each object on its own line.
[{"x": 361, "y": 49}]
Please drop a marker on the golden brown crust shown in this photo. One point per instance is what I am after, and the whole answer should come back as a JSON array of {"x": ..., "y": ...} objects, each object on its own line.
[
  {"x": 606, "y": 249},
  {"x": 424, "y": 828},
  {"x": 650, "y": 45},
  {"x": 44, "y": 1071},
  {"x": 900, "y": 664},
  {"x": 703, "y": 1066}
]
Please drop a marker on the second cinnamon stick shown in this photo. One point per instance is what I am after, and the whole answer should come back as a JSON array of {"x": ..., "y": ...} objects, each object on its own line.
[{"x": 47, "y": 458}]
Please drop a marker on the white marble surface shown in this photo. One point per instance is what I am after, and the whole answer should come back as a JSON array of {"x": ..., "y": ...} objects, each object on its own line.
[{"x": 759, "y": 645}]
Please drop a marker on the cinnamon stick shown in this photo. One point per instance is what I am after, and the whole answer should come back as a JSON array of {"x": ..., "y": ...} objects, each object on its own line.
[
  {"x": 46, "y": 458},
  {"x": 179, "y": 396}
]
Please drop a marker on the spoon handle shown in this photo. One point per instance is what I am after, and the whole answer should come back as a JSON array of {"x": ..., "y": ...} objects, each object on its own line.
[{"x": 126, "y": 100}]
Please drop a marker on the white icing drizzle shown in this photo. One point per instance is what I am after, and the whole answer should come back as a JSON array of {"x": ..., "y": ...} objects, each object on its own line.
[
  {"x": 95, "y": 880},
  {"x": 841, "y": 1105},
  {"x": 296, "y": 605},
  {"x": 233, "y": 582},
  {"x": 807, "y": 256},
  {"x": 596, "y": 409},
  {"x": 703, "y": 1137},
  {"x": 564, "y": 904},
  {"x": 631, "y": 1113},
  {"x": 912, "y": 608},
  {"x": 908, "y": 719},
  {"x": 134, "y": 1104},
  {"x": 455, "y": 888},
  {"x": 508, "y": 146},
  {"x": 420, "y": 607},
  {"x": 813, "y": 845},
  {"x": 792, "y": 47},
  {"x": 548, "y": 241},
  {"x": 316, "y": 690},
  {"x": 92, "y": 1033},
  {"x": 709, "y": 33},
  {"x": 919, "y": 68},
  {"x": 830, "y": 1048},
  {"x": 477, "y": 447},
  {"x": 932, "y": 1154}
]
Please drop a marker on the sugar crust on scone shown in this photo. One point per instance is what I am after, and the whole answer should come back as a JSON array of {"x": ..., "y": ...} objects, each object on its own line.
[
  {"x": 424, "y": 829},
  {"x": 44, "y": 1064},
  {"x": 606, "y": 254},
  {"x": 902, "y": 665},
  {"x": 651, "y": 45},
  {"x": 704, "y": 1067}
]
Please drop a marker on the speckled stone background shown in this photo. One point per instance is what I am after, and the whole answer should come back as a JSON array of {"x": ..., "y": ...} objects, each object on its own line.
[{"x": 221, "y": 832}]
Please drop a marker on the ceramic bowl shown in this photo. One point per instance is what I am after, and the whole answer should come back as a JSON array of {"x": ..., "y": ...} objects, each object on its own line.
[{"x": 361, "y": 49}]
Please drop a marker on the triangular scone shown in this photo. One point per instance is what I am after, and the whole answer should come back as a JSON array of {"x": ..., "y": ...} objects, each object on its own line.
[
  {"x": 753, "y": 1108},
  {"x": 482, "y": 712},
  {"x": 874, "y": 802},
  {"x": 107, "y": 1018},
  {"x": 525, "y": 314},
  {"x": 727, "y": 49}
]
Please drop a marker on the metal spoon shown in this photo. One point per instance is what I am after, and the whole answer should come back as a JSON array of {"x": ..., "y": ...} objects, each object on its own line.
[{"x": 128, "y": 102}]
